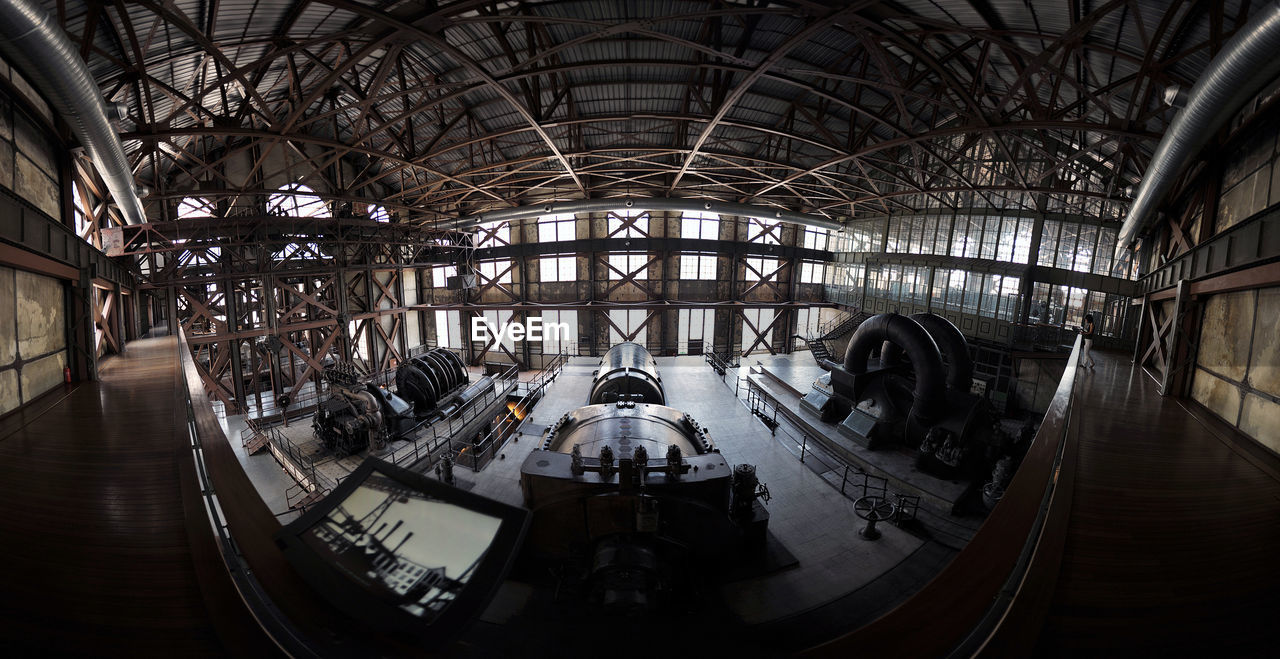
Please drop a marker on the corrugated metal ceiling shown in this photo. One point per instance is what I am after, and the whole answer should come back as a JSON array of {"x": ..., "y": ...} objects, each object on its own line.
[{"x": 457, "y": 90}]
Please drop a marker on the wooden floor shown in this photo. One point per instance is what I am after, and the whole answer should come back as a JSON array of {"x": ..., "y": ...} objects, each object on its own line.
[
  {"x": 1174, "y": 541},
  {"x": 94, "y": 553}
]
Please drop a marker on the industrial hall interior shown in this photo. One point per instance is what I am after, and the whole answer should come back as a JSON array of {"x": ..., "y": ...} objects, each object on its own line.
[{"x": 618, "y": 328}]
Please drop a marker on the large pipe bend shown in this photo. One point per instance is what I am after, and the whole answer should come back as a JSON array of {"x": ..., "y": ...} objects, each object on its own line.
[
  {"x": 954, "y": 348},
  {"x": 926, "y": 360}
]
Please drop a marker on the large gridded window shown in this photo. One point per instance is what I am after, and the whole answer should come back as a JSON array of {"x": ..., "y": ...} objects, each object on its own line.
[
  {"x": 840, "y": 241},
  {"x": 812, "y": 272},
  {"x": 493, "y": 234},
  {"x": 557, "y": 228},
  {"x": 757, "y": 268},
  {"x": 626, "y": 263},
  {"x": 816, "y": 238},
  {"x": 631, "y": 322},
  {"x": 866, "y": 235},
  {"x": 1077, "y": 246},
  {"x": 1022, "y": 243},
  {"x": 697, "y": 266},
  {"x": 1104, "y": 257},
  {"x": 296, "y": 200},
  {"x": 700, "y": 225},
  {"x": 497, "y": 319},
  {"x": 1250, "y": 178},
  {"x": 378, "y": 213},
  {"x": 1048, "y": 242},
  {"x": 560, "y": 332},
  {"x": 1058, "y": 305},
  {"x": 966, "y": 236},
  {"x": 448, "y": 329},
  {"x": 496, "y": 270},
  {"x": 1068, "y": 245},
  {"x": 628, "y": 223},
  {"x": 695, "y": 331},
  {"x": 807, "y": 322},
  {"x": 765, "y": 233},
  {"x": 441, "y": 273},
  {"x": 854, "y": 274},
  {"x": 993, "y": 237},
  {"x": 756, "y": 331},
  {"x": 557, "y": 268}
]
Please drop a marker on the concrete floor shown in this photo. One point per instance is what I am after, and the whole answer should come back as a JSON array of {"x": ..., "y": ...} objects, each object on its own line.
[
  {"x": 937, "y": 496},
  {"x": 809, "y": 517},
  {"x": 806, "y": 514},
  {"x": 270, "y": 479}
]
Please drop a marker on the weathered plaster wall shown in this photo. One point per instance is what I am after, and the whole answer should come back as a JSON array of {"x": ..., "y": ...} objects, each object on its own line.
[
  {"x": 28, "y": 161},
  {"x": 1238, "y": 365},
  {"x": 32, "y": 336}
]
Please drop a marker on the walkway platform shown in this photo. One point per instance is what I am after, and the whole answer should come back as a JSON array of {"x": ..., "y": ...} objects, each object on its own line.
[
  {"x": 1174, "y": 532},
  {"x": 95, "y": 556}
]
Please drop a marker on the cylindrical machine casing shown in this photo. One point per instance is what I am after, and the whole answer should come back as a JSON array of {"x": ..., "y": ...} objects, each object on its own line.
[
  {"x": 426, "y": 379},
  {"x": 625, "y": 427},
  {"x": 575, "y": 503},
  {"x": 627, "y": 372}
]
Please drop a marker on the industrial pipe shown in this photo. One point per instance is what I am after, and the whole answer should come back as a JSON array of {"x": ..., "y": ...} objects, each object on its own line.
[
  {"x": 1246, "y": 63},
  {"x": 954, "y": 347},
  {"x": 926, "y": 360},
  {"x": 41, "y": 51},
  {"x": 652, "y": 204}
]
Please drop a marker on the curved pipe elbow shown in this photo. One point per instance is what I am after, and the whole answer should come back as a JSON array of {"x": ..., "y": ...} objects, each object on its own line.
[
  {"x": 926, "y": 360},
  {"x": 954, "y": 347}
]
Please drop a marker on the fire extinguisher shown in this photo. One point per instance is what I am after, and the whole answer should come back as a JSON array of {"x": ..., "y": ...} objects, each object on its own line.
[{"x": 66, "y": 374}]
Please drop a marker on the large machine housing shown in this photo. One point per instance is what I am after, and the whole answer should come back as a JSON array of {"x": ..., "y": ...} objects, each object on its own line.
[
  {"x": 635, "y": 487},
  {"x": 909, "y": 395},
  {"x": 627, "y": 372}
]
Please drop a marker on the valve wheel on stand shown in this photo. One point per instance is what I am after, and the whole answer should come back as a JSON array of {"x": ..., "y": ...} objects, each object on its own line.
[{"x": 873, "y": 508}]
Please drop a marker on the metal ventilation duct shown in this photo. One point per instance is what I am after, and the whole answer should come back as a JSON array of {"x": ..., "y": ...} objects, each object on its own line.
[
  {"x": 650, "y": 204},
  {"x": 34, "y": 44},
  {"x": 1237, "y": 73}
]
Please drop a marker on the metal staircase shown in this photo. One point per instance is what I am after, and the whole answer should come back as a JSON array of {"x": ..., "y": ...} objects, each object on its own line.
[{"x": 830, "y": 331}]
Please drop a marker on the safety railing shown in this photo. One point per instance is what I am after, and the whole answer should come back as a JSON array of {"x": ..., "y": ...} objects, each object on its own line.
[
  {"x": 721, "y": 364},
  {"x": 300, "y": 404},
  {"x": 444, "y": 432},
  {"x": 854, "y": 483},
  {"x": 210, "y": 450},
  {"x": 995, "y": 591},
  {"x": 479, "y": 455},
  {"x": 298, "y": 463}
]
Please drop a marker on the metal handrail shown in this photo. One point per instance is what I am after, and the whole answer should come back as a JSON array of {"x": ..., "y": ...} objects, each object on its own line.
[
  {"x": 720, "y": 363},
  {"x": 277, "y": 627},
  {"x": 444, "y": 430},
  {"x": 760, "y": 401},
  {"x": 500, "y": 434}
]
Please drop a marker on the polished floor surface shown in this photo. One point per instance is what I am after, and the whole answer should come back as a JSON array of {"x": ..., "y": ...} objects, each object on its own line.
[
  {"x": 1174, "y": 541},
  {"x": 94, "y": 552}
]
